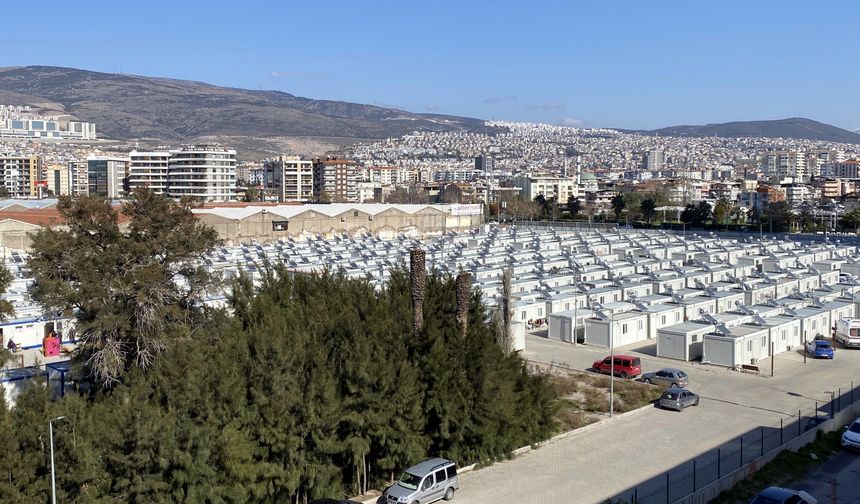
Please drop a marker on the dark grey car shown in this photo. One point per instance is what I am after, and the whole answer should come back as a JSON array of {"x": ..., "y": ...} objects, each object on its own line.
[
  {"x": 678, "y": 399},
  {"x": 667, "y": 376}
]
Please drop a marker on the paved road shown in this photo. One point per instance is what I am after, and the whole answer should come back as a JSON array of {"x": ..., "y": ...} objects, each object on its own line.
[
  {"x": 845, "y": 469},
  {"x": 610, "y": 458}
]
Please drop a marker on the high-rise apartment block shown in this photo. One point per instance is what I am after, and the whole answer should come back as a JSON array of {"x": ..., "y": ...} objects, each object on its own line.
[
  {"x": 290, "y": 177},
  {"x": 148, "y": 169},
  {"x": 21, "y": 175},
  {"x": 336, "y": 180},
  {"x": 202, "y": 173},
  {"x": 106, "y": 177},
  {"x": 653, "y": 160},
  {"x": 485, "y": 163},
  {"x": 57, "y": 180}
]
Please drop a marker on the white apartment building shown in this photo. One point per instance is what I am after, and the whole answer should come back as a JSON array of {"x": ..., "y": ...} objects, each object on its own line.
[
  {"x": 203, "y": 173},
  {"x": 148, "y": 169},
  {"x": 78, "y": 178},
  {"x": 550, "y": 187},
  {"x": 786, "y": 164},
  {"x": 291, "y": 177}
]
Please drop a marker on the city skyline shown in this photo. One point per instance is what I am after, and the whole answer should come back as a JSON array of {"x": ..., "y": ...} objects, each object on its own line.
[{"x": 637, "y": 66}]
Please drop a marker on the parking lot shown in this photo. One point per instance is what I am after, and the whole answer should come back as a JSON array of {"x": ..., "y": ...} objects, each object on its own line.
[{"x": 609, "y": 458}]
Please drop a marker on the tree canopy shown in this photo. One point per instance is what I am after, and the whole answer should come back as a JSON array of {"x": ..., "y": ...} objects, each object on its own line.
[
  {"x": 130, "y": 290},
  {"x": 314, "y": 386}
]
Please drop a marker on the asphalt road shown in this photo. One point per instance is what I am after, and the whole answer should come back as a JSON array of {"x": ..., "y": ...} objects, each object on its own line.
[
  {"x": 844, "y": 469},
  {"x": 612, "y": 457}
]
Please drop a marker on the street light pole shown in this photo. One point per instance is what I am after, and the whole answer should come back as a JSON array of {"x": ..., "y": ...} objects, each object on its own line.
[
  {"x": 53, "y": 476},
  {"x": 611, "y": 372}
]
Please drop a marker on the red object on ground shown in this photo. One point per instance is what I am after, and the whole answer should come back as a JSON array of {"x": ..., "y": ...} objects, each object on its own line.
[{"x": 51, "y": 346}]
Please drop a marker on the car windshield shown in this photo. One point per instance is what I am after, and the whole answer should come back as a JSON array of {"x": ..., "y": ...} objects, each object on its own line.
[
  {"x": 855, "y": 427},
  {"x": 682, "y": 374},
  {"x": 766, "y": 500},
  {"x": 822, "y": 344},
  {"x": 670, "y": 395},
  {"x": 410, "y": 481},
  {"x": 636, "y": 362}
]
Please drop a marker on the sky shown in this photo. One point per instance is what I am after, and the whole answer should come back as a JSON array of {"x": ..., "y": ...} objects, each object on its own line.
[{"x": 623, "y": 64}]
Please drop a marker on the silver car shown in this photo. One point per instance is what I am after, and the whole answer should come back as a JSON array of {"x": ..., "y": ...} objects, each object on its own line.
[
  {"x": 667, "y": 376},
  {"x": 678, "y": 399},
  {"x": 423, "y": 483}
]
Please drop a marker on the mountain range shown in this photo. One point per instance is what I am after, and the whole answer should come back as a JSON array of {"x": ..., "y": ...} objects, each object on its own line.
[
  {"x": 159, "y": 110},
  {"x": 154, "y": 111},
  {"x": 793, "y": 127}
]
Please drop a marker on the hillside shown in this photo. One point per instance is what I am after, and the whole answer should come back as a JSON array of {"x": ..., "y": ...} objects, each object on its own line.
[
  {"x": 129, "y": 107},
  {"x": 795, "y": 127}
]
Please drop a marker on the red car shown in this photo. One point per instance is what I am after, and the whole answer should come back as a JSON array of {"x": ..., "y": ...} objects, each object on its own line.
[{"x": 626, "y": 366}]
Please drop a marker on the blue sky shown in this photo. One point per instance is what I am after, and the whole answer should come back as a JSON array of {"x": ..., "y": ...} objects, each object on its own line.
[{"x": 628, "y": 64}]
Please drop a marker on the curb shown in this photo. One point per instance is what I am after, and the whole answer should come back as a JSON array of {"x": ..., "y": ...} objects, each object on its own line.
[{"x": 525, "y": 449}]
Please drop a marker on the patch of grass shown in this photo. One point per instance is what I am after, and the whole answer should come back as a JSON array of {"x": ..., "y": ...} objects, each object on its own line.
[{"x": 786, "y": 468}]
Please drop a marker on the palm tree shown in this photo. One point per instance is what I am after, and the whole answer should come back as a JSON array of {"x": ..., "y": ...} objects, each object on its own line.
[
  {"x": 417, "y": 282},
  {"x": 464, "y": 297}
]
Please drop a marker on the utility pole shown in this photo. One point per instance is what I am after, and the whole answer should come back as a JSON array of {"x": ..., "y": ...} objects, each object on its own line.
[
  {"x": 53, "y": 474},
  {"x": 772, "y": 358}
]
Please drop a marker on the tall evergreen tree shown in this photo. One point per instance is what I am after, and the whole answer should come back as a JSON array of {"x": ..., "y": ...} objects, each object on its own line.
[{"x": 130, "y": 291}]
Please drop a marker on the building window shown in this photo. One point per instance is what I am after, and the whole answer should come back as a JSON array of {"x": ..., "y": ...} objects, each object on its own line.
[
  {"x": 764, "y": 342},
  {"x": 623, "y": 328},
  {"x": 749, "y": 346},
  {"x": 280, "y": 225}
]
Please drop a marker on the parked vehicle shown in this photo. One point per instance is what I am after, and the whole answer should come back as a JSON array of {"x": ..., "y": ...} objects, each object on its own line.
[
  {"x": 334, "y": 501},
  {"x": 667, "y": 376},
  {"x": 626, "y": 366},
  {"x": 677, "y": 399},
  {"x": 819, "y": 349},
  {"x": 848, "y": 332},
  {"x": 777, "y": 495},
  {"x": 423, "y": 483},
  {"x": 851, "y": 436}
]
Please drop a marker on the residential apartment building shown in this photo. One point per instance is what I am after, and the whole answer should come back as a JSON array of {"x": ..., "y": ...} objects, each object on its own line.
[
  {"x": 148, "y": 169},
  {"x": 560, "y": 188},
  {"x": 21, "y": 175},
  {"x": 336, "y": 180},
  {"x": 106, "y": 177},
  {"x": 290, "y": 177},
  {"x": 78, "y": 178},
  {"x": 786, "y": 164},
  {"x": 58, "y": 180},
  {"x": 202, "y": 173},
  {"x": 849, "y": 169}
]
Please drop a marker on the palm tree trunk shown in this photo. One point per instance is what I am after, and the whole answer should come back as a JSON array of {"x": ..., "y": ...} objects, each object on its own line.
[
  {"x": 464, "y": 297},
  {"x": 417, "y": 282}
]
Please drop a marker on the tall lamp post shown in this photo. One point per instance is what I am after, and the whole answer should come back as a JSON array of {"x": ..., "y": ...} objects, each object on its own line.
[
  {"x": 611, "y": 372},
  {"x": 53, "y": 476}
]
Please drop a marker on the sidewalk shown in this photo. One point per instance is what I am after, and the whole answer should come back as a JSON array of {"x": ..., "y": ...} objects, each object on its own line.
[{"x": 33, "y": 356}]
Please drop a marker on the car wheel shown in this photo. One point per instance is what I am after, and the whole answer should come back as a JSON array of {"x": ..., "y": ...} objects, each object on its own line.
[
  {"x": 674, "y": 385},
  {"x": 449, "y": 494},
  {"x": 624, "y": 375},
  {"x": 647, "y": 380},
  {"x": 697, "y": 402}
]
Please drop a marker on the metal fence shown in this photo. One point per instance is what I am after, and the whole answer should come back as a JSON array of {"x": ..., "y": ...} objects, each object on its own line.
[{"x": 687, "y": 478}]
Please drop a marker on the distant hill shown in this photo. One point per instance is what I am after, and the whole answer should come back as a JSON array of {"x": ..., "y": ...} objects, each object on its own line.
[
  {"x": 795, "y": 127},
  {"x": 129, "y": 107}
]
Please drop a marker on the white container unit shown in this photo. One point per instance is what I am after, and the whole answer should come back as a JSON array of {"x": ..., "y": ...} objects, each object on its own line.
[
  {"x": 682, "y": 341},
  {"x": 744, "y": 344},
  {"x": 622, "y": 328}
]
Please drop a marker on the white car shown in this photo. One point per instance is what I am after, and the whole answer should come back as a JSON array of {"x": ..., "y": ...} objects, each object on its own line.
[{"x": 851, "y": 436}]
